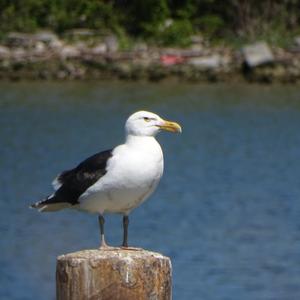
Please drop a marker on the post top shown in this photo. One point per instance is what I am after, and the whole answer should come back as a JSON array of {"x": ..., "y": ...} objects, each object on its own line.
[
  {"x": 115, "y": 273},
  {"x": 112, "y": 253}
]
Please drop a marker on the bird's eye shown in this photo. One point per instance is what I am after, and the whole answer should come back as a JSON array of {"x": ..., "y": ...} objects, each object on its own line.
[{"x": 147, "y": 119}]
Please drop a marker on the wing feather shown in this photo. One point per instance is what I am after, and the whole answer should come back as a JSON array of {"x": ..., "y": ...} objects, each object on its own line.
[{"x": 72, "y": 183}]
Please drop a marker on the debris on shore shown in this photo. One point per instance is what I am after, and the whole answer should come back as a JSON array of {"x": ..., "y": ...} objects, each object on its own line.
[{"x": 81, "y": 54}]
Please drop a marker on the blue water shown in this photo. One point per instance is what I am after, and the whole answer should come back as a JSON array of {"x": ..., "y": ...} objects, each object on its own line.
[{"x": 227, "y": 210}]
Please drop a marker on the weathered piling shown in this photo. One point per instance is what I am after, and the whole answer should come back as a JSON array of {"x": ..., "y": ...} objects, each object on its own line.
[{"x": 116, "y": 274}]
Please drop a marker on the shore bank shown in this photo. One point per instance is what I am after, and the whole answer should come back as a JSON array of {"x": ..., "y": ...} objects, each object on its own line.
[{"x": 45, "y": 56}]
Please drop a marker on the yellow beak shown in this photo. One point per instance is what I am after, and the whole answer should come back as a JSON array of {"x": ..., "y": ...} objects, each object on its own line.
[{"x": 170, "y": 126}]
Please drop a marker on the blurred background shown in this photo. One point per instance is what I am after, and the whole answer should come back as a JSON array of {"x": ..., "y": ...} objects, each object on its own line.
[{"x": 227, "y": 210}]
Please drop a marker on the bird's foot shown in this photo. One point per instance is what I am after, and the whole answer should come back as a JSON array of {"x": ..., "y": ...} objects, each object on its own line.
[
  {"x": 105, "y": 247},
  {"x": 131, "y": 248}
]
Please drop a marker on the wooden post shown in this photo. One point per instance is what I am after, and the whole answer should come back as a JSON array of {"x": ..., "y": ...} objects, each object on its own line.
[{"x": 116, "y": 274}]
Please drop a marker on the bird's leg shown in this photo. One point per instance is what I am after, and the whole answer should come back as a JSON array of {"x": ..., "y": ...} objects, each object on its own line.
[
  {"x": 125, "y": 234},
  {"x": 102, "y": 238}
]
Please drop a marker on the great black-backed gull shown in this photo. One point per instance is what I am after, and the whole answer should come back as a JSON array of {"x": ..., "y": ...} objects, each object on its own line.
[{"x": 116, "y": 180}]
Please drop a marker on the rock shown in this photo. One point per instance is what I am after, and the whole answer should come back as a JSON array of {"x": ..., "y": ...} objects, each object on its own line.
[
  {"x": 56, "y": 45},
  {"x": 4, "y": 52},
  {"x": 18, "y": 39},
  {"x": 46, "y": 37},
  {"x": 297, "y": 41},
  {"x": 80, "y": 33},
  {"x": 99, "y": 49},
  {"x": 197, "y": 39},
  {"x": 157, "y": 72},
  {"x": 123, "y": 70},
  {"x": 39, "y": 49},
  {"x": 69, "y": 52},
  {"x": 206, "y": 62},
  {"x": 227, "y": 61},
  {"x": 295, "y": 47},
  {"x": 73, "y": 71},
  {"x": 140, "y": 47},
  {"x": 18, "y": 54},
  {"x": 197, "y": 49},
  {"x": 112, "y": 43},
  {"x": 171, "y": 51},
  {"x": 194, "y": 51},
  {"x": 143, "y": 62},
  {"x": 81, "y": 46},
  {"x": 257, "y": 54},
  {"x": 61, "y": 74}
]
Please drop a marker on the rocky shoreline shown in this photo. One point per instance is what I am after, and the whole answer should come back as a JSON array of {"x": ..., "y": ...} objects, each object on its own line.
[{"x": 83, "y": 56}]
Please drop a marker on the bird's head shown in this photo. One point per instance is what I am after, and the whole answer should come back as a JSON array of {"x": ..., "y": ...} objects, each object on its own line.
[{"x": 144, "y": 123}]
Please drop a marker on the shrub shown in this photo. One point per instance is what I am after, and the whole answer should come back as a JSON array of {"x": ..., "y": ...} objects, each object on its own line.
[{"x": 178, "y": 33}]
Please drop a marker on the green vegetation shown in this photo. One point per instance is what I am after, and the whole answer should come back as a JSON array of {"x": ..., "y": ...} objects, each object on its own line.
[{"x": 163, "y": 21}]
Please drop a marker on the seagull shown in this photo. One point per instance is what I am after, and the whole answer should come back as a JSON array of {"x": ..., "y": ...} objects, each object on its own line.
[{"x": 116, "y": 180}]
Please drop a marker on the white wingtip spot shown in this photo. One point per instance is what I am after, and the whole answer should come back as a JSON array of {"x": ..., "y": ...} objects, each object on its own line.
[
  {"x": 41, "y": 209},
  {"x": 56, "y": 184}
]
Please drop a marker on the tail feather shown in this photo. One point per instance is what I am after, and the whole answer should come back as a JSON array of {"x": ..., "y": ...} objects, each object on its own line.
[{"x": 51, "y": 203}]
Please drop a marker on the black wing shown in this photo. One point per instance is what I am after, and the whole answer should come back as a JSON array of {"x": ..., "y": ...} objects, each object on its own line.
[{"x": 76, "y": 181}]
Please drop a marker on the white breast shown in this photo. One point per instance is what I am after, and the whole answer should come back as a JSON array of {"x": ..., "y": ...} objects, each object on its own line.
[{"x": 132, "y": 175}]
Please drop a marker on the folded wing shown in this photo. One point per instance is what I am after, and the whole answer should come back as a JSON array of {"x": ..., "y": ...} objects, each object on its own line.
[{"x": 71, "y": 184}]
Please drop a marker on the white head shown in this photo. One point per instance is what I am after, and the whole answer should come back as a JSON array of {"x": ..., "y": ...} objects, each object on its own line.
[{"x": 144, "y": 123}]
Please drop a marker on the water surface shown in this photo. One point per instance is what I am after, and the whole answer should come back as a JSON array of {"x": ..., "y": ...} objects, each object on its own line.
[{"x": 227, "y": 210}]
